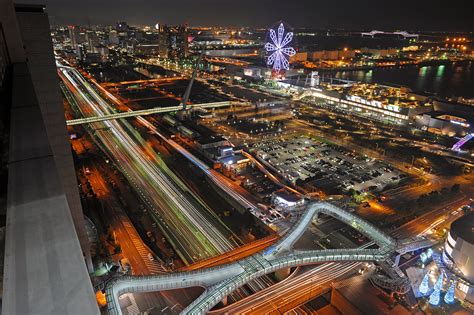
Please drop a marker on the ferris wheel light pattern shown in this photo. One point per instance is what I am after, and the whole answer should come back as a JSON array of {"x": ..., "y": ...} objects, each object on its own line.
[{"x": 279, "y": 48}]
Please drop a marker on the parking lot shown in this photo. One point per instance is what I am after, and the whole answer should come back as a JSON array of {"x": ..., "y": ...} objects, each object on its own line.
[
  {"x": 258, "y": 184},
  {"x": 328, "y": 167}
]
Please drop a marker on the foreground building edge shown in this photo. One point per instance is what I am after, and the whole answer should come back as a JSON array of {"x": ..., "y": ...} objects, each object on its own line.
[{"x": 44, "y": 270}]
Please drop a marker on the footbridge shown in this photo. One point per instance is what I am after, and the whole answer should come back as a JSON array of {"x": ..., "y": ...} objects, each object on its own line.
[
  {"x": 183, "y": 106},
  {"x": 151, "y": 111},
  {"x": 222, "y": 280},
  {"x": 412, "y": 244}
]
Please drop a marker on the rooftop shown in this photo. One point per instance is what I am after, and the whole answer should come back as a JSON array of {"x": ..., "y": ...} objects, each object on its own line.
[
  {"x": 286, "y": 195},
  {"x": 464, "y": 228},
  {"x": 211, "y": 139},
  {"x": 384, "y": 94},
  {"x": 444, "y": 114}
]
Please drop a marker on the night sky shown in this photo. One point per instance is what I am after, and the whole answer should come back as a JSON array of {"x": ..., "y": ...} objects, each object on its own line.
[{"x": 349, "y": 14}]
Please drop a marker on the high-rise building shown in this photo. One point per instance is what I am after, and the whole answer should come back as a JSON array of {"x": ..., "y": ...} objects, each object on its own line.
[
  {"x": 163, "y": 44},
  {"x": 122, "y": 29},
  {"x": 113, "y": 37},
  {"x": 92, "y": 40},
  {"x": 47, "y": 256},
  {"x": 74, "y": 35},
  {"x": 77, "y": 37},
  {"x": 177, "y": 41}
]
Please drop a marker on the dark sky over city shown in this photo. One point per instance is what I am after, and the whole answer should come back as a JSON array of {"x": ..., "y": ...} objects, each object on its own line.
[{"x": 349, "y": 14}]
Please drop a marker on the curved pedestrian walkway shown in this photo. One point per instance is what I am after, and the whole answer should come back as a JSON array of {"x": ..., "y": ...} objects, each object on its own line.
[{"x": 223, "y": 280}]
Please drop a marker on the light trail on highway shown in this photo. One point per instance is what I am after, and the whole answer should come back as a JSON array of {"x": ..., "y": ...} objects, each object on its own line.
[
  {"x": 192, "y": 233},
  {"x": 289, "y": 289},
  {"x": 234, "y": 191},
  {"x": 217, "y": 178},
  {"x": 187, "y": 228}
]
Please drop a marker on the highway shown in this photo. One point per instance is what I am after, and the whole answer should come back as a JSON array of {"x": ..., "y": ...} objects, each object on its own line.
[
  {"x": 423, "y": 225},
  {"x": 194, "y": 231},
  {"x": 185, "y": 221},
  {"x": 147, "y": 155},
  {"x": 131, "y": 245},
  {"x": 305, "y": 285},
  {"x": 223, "y": 280},
  {"x": 235, "y": 191}
]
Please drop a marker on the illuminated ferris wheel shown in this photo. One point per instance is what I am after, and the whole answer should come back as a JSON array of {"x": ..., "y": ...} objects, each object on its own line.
[{"x": 278, "y": 48}]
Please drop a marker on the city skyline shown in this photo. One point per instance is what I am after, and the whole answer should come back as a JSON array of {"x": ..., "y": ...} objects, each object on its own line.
[
  {"x": 236, "y": 157},
  {"x": 343, "y": 14}
]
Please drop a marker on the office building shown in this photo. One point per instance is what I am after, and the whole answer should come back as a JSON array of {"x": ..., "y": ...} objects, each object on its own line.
[{"x": 177, "y": 41}]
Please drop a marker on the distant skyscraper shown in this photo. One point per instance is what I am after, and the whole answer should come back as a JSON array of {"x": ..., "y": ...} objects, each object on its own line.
[
  {"x": 74, "y": 35},
  {"x": 77, "y": 37},
  {"x": 92, "y": 40},
  {"x": 163, "y": 44},
  {"x": 113, "y": 37},
  {"x": 177, "y": 37}
]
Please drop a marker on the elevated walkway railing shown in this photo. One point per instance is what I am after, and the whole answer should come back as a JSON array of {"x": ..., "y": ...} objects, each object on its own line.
[
  {"x": 144, "y": 112},
  {"x": 221, "y": 281}
]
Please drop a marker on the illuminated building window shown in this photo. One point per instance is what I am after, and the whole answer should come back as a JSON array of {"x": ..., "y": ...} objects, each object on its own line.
[
  {"x": 448, "y": 249},
  {"x": 447, "y": 260},
  {"x": 451, "y": 241},
  {"x": 463, "y": 287}
]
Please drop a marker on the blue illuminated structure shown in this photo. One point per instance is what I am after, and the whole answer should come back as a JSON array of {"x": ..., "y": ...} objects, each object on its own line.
[
  {"x": 457, "y": 146},
  {"x": 435, "y": 296},
  {"x": 279, "y": 49},
  {"x": 449, "y": 296},
  {"x": 429, "y": 253},
  {"x": 425, "y": 284},
  {"x": 423, "y": 257}
]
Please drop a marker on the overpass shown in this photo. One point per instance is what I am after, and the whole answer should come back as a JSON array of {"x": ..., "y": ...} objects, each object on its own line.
[
  {"x": 151, "y": 111},
  {"x": 183, "y": 106},
  {"x": 457, "y": 146},
  {"x": 412, "y": 244},
  {"x": 403, "y": 34},
  {"x": 223, "y": 280}
]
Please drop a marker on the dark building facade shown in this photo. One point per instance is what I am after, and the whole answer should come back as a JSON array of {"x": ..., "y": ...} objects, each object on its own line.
[{"x": 175, "y": 41}]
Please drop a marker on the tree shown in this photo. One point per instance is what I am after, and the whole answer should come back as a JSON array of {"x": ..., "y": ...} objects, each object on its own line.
[{"x": 455, "y": 188}]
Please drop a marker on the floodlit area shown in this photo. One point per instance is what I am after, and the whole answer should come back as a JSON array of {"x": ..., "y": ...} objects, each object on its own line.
[
  {"x": 303, "y": 159},
  {"x": 172, "y": 168}
]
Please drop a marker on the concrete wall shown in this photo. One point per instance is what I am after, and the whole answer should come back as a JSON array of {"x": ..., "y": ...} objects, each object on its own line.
[
  {"x": 28, "y": 39},
  {"x": 35, "y": 32},
  {"x": 11, "y": 32}
]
